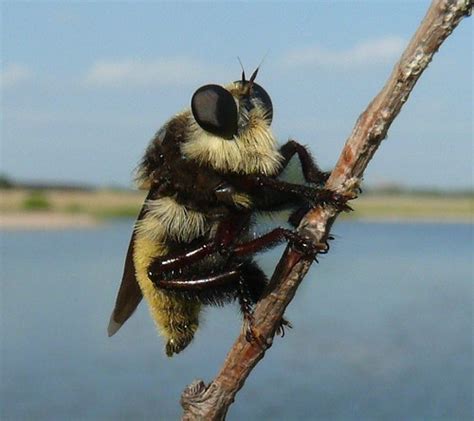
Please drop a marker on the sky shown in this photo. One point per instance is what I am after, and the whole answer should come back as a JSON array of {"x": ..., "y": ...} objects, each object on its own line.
[{"x": 85, "y": 85}]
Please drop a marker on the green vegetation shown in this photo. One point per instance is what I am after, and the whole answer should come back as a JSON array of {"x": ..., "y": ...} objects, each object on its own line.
[
  {"x": 36, "y": 201},
  {"x": 371, "y": 205},
  {"x": 414, "y": 207},
  {"x": 74, "y": 208},
  {"x": 118, "y": 212}
]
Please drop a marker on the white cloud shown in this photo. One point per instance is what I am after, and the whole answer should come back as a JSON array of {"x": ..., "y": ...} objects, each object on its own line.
[
  {"x": 370, "y": 52},
  {"x": 13, "y": 74},
  {"x": 174, "y": 71}
]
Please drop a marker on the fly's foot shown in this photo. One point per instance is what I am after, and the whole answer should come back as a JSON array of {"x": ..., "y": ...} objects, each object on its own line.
[
  {"x": 281, "y": 327},
  {"x": 252, "y": 334},
  {"x": 307, "y": 247},
  {"x": 326, "y": 243},
  {"x": 338, "y": 200},
  {"x": 247, "y": 328}
]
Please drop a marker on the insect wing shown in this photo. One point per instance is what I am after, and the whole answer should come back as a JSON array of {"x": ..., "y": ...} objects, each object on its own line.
[{"x": 129, "y": 294}]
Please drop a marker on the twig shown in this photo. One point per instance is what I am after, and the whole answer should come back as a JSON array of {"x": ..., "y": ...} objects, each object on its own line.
[{"x": 212, "y": 402}]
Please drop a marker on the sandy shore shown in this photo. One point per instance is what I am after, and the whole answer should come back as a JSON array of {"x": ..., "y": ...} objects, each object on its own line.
[
  {"x": 38, "y": 221},
  {"x": 45, "y": 221},
  {"x": 83, "y": 209}
]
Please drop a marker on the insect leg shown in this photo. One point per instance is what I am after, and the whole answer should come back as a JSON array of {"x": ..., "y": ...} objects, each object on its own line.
[
  {"x": 251, "y": 287},
  {"x": 312, "y": 173},
  {"x": 245, "y": 302},
  {"x": 227, "y": 231},
  {"x": 274, "y": 237},
  {"x": 193, "y": 284},
  {"x": 175, "y": 261},
  {"x": 316, "y": 196}
]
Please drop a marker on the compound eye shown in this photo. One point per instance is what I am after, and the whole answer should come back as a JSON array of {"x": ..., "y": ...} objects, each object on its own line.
[
  {"x": 215, "y": 110},
  {"x": 261, "y": 94}
]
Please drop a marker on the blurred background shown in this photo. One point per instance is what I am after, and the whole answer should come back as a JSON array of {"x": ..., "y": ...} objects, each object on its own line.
[{"x": 382, "y": 327}]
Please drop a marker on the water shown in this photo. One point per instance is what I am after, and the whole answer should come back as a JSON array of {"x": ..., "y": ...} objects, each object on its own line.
[{"x": 382, "y": 330}]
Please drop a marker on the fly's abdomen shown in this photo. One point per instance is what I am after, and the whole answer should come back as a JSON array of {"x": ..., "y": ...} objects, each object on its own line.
[{"x": 167, "y": 222}]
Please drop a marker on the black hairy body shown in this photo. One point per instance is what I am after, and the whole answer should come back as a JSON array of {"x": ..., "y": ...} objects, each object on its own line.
[{"x": 208, "y": 172}]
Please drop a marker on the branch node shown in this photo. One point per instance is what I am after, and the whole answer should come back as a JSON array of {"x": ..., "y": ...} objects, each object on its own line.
[{"x": 193, "y": 394}]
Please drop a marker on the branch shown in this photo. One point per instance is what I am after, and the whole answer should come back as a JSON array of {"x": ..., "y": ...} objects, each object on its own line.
[{"x": 212, "y": 402}]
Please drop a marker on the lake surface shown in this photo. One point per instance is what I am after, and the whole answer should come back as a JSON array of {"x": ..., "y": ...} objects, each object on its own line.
[{"x": 382, "y": 330}]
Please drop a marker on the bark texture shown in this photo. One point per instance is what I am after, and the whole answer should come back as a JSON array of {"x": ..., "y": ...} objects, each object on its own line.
[{"x": 211, "y": 402}]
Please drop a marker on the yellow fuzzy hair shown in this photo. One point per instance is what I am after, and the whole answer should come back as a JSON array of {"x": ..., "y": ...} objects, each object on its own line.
[
  {"x": 167, "y": 219},
  {"x": 242, "y": 200},
  {"x": 254, "y": 151},
  {"x": 174, "y": 317}
]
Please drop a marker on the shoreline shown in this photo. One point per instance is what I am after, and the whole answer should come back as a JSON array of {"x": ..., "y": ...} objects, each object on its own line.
[
  {"x": 48, "y": 221},
  {"x": 408, "y": 220},
  {"x": 22, "y": 209}
]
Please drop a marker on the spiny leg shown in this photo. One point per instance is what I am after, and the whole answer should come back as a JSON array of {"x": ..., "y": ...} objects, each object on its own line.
[
  {"x": 312, "y": 195},
  {"x": 227, "y": 231},
  {"x": 230, "y": 228},
  {"x": 271, "y": 239},
  {"x": 281, "y": 328},
  {"x": 275, "y": 237},
  {"x": 244, "y": 294},
  {"x": 252, "y": 286},
  {"x": 198, "y": 284},
  {"x": 246, "y": 308},
  {"x": 312, "y": 173},
  {"x": 251, "y": 282}
]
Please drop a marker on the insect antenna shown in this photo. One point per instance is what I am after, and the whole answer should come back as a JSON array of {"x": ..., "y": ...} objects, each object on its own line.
[
  {"x": 243, "y": 71},
  {"x": 254, "y": 74}
]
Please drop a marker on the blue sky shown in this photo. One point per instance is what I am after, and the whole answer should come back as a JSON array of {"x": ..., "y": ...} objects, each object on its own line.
[{"x": 86, "y": 85}]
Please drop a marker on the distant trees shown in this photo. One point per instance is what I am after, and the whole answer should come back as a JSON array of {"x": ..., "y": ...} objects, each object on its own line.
[{"x": 5, "y": 181}]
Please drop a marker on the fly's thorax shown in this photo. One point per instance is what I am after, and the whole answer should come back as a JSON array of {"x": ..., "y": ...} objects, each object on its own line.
[{"x": 163, "y": 150}]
